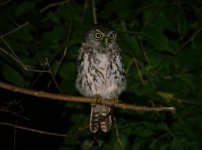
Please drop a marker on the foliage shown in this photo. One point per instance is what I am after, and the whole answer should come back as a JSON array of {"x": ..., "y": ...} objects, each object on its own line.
[{"x": 161, "y": 48}]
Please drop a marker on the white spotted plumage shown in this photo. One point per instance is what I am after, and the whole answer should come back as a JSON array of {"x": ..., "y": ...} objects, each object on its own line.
[{"x": 100, "y": 73}]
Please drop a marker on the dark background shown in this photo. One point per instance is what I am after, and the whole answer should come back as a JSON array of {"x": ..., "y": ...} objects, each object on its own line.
[{"x": 161, "y": 49}]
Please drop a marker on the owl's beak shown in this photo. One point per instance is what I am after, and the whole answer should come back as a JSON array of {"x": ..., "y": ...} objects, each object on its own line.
[{"x": 106, "y": 41}]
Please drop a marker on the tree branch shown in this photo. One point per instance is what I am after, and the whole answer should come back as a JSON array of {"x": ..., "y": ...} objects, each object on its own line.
[
  {"x": 59, "y": 97},
  {"x": 94, "y": 12},
  {"x": 4, "y": 109},
  {"x": 32, "y": 130}
]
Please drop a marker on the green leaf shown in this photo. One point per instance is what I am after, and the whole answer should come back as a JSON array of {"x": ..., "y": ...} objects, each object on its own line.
[
  {"x": 12, "y": 75},
  {"x": 76, "y": 37},
  {"x": 123, "y": 137},
  {"x": 167, "y": 96},
  {"x": 68, "y": 70},
  {"x": 25, "y": 35},
  {"x": 72, "y": 12},
  {"x": 139, "y": 144},
  {"x": 142, "y": 131},
  {"x": 157, "y": 40},
  {"x": 24, "y": 7},
  {"x": 162, "y": 126},
  {"x": 52, "y": 17},
  {"x": 130, "y": 46},
  {"x": 68, "y": 74},
  {"x": 189, "y": 80},
  {"x": 54, "y": 36},
  {"x": 55, "y": 66},
  {"x": 123, "y": 10},
  {"x": 147, "y": 90}
]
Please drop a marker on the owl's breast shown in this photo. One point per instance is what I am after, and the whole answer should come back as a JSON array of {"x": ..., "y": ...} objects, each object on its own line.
[
  {"x": 104, "y": 84},
  {"x": 101, "y": 64}
]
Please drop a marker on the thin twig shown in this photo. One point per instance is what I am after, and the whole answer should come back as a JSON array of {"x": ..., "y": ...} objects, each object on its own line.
[
  {"x": 186, "y": 101},
  {"x": 66, "y": 47},
  {"x": 3, "y": 109},
  {"x": 84, "y": 11},
  {"x": 4, "y": 3},
  {"x": 156, "y": 6},
  {"x": 14, "y": 30},
  {"x": 139, "y": 72},
  {"x": 24, "y": 66},
  {"x": 32, "y": 130},
  {"x": 94, "y": 12},
  {"x": 11, "y": 50},
  {"x": 143, "y": 49},
  {"x": 188, "y": 40},
  {"x": 117, "y": 133},
  {"x": 155, "y": 14},
  {"x": 14, "y": 138},
  {"x": 52, "y": 74},
  {"x": 134, "y": 61},
  {"x": 129, "y": 66},
  {"x": 61, "y": 60},
  {"x": 123, "y": 24},
  {"x": 13, "y": 54},
  {"x": 16, "y": 58},
  {"x": 53, "y": 5},
  {"x": 59, "y": 97}
]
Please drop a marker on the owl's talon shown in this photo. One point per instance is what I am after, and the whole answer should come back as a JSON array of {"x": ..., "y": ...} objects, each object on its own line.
[
  {"x": 98, "y": 99},
  {"x": 115, "y": 101}
]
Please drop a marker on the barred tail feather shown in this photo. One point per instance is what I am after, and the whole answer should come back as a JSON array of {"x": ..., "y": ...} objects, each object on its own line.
[
  {"x": 94, "y": 119},
  {"x": 100, "y": 118},
  {"x": 105, "y": 119}
]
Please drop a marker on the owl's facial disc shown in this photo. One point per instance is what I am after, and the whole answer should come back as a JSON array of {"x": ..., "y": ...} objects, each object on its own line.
[{"x": 105, "y": 39}]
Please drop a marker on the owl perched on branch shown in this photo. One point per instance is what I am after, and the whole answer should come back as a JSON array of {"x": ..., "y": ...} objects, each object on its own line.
[{"x": 100, "y": 73}]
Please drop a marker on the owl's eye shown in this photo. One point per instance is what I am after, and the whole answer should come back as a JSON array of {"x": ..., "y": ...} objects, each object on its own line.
[
  {"x": 98, "y": 35},
  {"x": 112, "y": 36}
]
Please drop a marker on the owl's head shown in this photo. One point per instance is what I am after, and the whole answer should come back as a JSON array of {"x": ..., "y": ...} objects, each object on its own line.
[{"x": 102, "y": 36}]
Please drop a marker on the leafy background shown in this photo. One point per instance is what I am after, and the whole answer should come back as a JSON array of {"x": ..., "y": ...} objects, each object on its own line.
[{"x": 161, "y": 48}]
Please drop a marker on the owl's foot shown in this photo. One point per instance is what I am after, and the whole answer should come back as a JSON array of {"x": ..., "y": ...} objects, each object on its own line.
[
  {"x": 98, "y": 99},
  {"x": 115, "y": 101}
]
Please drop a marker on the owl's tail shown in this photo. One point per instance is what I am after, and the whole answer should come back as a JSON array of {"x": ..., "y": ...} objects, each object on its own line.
[{"x": 100, "y": 118}]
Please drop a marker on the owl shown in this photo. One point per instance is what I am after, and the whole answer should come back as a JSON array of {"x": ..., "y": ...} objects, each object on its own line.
[{"x": 101, "y": 73}]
